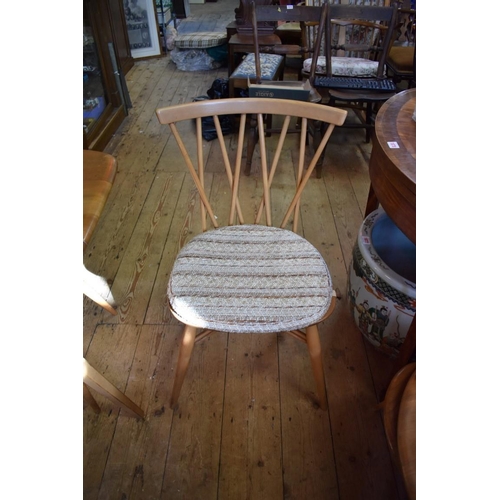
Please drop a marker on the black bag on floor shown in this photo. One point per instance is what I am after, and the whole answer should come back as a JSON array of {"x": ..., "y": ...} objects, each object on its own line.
[{"x": 218, "y": 90}]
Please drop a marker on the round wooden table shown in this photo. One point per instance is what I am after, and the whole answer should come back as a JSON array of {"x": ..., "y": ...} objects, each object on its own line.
[
  {"x": 393, "y": 179},
  {"x": 393, "y": 162}
]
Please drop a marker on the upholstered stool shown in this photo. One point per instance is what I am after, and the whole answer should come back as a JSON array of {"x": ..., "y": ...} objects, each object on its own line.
[
  {"x": 241, "y": 43},
  {"x": 271, "y": 68},
  {"x": 192, "y": 50}
]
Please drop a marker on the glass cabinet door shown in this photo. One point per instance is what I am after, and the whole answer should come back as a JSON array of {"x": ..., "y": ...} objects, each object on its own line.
[{"x": 95, "y": 99}]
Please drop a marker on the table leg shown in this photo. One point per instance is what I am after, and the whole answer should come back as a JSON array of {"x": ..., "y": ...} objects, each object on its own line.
[{"x": 372, "y": 202}]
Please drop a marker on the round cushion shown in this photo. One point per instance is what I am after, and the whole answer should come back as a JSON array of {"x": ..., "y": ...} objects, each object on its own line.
[
  {"x": 249, "y": 279},
  {"x": 200, "y": 40}
]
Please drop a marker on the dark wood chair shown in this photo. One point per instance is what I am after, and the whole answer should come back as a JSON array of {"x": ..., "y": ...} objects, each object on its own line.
[
  {"x": 264, "y": 20},
  {"x": 357, "y": 42},
  {"x": 401, "y": 60},
  {"x": 241, "y": 42},
  {"x": 303, "y": 15}
]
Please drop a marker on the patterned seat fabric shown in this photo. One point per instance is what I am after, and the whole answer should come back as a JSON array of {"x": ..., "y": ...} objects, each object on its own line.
[
  {"x": 269, "y": 64},
  {"x": 345, "y": 66},
  {"x": 200, "y": 40},
  {"x": 250, "y": 279}
]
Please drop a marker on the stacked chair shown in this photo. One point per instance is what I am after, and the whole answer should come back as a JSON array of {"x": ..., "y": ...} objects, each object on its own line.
[
  {"x": 357, "y": 40},
  {"x": 266, "y": 62},
  {"x": 401, "y": 61}
]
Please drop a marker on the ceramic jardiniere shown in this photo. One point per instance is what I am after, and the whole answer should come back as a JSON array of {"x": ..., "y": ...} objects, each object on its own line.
[{"x": 382, "y": 289}]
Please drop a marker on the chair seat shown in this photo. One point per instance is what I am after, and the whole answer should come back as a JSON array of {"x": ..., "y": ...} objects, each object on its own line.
[
  {"x": 401, "y": 59},
  {"x": 99, "y": 170},
  {"x": 269, "y": 65},
  {"x": 250, "y": 279},
  {"x": 344, "y": 66}
]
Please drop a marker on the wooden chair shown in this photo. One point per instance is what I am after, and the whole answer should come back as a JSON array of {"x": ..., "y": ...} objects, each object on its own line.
[
  {"x": 93, "y": 379},
  {"x": 292, "y": 15},
  {"x": 241, "y": 42},
  {"x": 270, "y": 64},
  {"x": 401, "y": 60},
  {"x": 99, "y": 171},
  {"x": 357, "y": 42},
  {"x": 250, "y": 277},
  {"x": 399, "y": 416},
  {"x": 305, "y": 16}
]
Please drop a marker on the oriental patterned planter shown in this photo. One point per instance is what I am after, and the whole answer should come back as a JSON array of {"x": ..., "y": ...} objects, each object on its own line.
[{"x": 382, "y": 283}]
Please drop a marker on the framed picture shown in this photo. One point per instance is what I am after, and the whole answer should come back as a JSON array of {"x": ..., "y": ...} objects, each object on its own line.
[{"x": 142, "y": 28}]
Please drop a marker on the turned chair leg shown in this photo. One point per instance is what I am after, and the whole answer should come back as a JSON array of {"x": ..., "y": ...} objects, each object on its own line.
[
  {"x": 185, "y": 351},
  {"x": 314, "y": 346}
]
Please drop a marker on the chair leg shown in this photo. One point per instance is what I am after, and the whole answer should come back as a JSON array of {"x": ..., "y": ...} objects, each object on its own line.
[
  {"x": 90, "y": 291},
  {"x": 183, "y": 362},
  {"x": 90, "y": 400},
  {"x": 317, "y": 133},
  {"x": 100, "y": 384},
  {"x": 314, "y": 347},
  {"x": 269, "y": 124},
  {"x": 368, "y": 121},
  {"x": 253, "y": 135}
]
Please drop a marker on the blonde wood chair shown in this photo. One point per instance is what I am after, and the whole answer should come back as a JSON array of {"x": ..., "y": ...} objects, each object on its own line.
[
  {"x": 399, "y": 416},
  {"x": 93, "y": 379},
  {"x": 99, "y": 171},
  {"x": 250, "y": 277}
]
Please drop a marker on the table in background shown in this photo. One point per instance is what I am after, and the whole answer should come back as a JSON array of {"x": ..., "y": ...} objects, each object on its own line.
[{"x": 393, "y": 177}]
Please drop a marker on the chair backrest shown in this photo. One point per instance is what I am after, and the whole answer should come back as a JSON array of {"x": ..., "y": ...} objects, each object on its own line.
[
  {"x": 361, "y": 31},
  {"x": 405, "y": 29},
  {"x": 244, "y": 16},
  {"x": 290, "y": 157},
  {"x": 305, "y": 15},
  {"x": 311, "y": 29}
]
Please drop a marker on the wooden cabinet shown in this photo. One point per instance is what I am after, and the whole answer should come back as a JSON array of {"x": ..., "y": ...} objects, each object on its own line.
[{"x": 106, "y": 60}]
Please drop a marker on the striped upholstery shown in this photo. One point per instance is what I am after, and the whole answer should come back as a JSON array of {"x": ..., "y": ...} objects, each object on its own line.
[
  {"x": 249, "y": 279},
  {"x": 200, "y": 40}
]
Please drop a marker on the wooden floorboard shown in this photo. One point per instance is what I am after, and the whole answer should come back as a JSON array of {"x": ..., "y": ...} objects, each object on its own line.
[{"x": 247, "y": 424}]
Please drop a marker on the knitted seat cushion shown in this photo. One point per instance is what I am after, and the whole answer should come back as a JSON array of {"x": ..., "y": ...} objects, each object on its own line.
[
  {"x": 200, "y": 40},
  {"x": 344, "y": 66},
  {"x": 249, "y": 279},
  {"x": 269, "y": 64}
]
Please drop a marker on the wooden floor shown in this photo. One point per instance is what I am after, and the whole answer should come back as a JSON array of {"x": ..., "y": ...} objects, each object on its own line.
[{"x": 247, "y": 425}]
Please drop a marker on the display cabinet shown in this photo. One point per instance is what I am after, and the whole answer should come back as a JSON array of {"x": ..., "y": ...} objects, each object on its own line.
[{"x": 106, "y": 58}]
